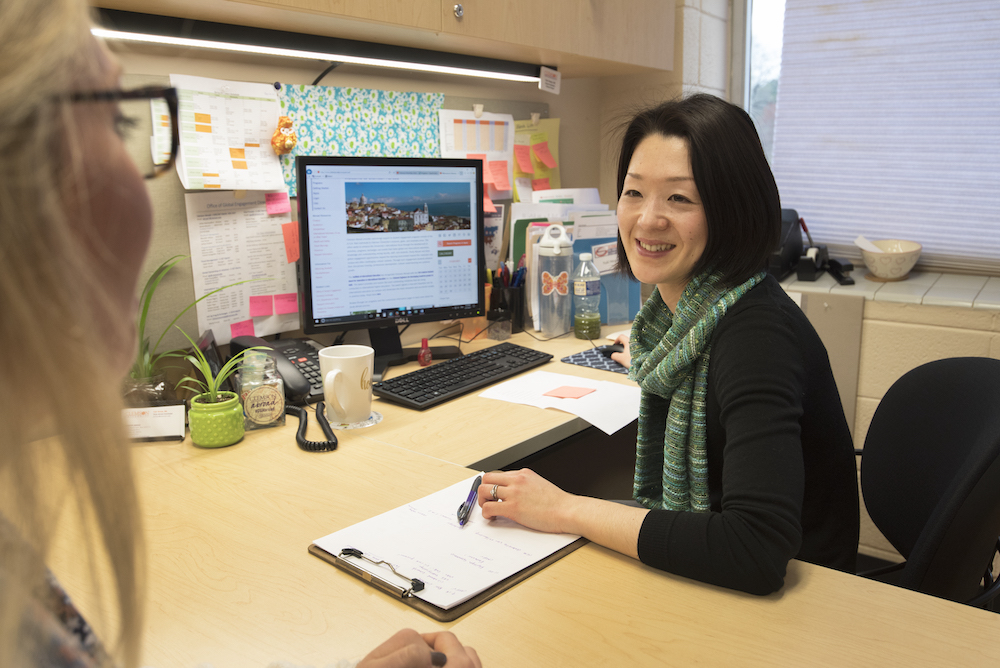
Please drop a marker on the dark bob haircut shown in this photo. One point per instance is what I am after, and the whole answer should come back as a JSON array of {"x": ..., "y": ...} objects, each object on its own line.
[{"x": 734, "y": 181}]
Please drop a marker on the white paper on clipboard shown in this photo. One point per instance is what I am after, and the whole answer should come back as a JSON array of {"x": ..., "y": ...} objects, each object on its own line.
[{"x": 423, "y": 540}]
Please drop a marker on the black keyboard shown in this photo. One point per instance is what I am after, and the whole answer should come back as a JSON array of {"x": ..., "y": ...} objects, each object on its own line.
[
  {"x": 304, "y": 355},
  {"x": 452, "y": 378}
]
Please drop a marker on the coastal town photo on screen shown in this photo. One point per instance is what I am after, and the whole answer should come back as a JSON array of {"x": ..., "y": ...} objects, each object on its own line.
[{"x": 374, "y": 206}]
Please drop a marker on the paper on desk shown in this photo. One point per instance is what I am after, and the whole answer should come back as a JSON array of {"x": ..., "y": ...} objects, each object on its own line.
[
  {"x": 594, "y": 224},
  {"x": 423, "y": 540},
  {"x": 610, "y": 408},
  {"x": 567, "y": 196}
]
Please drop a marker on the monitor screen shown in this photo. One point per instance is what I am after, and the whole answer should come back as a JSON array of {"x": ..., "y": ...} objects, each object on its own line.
[{"x": 389, "y": 241}]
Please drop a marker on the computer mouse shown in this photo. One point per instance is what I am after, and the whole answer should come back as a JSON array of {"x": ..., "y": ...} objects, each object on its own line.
[{"x": 611, "y": 348}]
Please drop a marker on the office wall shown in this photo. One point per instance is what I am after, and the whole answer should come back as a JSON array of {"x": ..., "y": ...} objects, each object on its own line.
[
  {"x": 576, "y": 106},
  {"x": 701, "y": 64}
]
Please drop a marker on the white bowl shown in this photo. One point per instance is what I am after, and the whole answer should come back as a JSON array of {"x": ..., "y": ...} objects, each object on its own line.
[{"x": 894, "y": 262}]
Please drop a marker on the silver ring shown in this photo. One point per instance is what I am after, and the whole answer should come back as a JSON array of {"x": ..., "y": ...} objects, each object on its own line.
[{"x": 494, "y": 493}]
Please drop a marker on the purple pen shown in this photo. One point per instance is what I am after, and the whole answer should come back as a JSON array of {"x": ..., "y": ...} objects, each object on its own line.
[{"x": 465, "y": 509}]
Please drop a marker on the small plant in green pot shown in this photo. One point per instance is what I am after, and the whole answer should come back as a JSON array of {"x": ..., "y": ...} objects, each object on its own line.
[
  {"x": 146, "y": 382},
  {"x": 215, "y": 416}
]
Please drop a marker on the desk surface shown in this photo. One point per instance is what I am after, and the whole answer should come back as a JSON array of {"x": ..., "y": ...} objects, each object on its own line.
[
  {"x": 464, "y": 430},
  {"x": 230, "y": 581},
  {"x": 231, "y": 584},
  {"x": 600, "y": 608}
]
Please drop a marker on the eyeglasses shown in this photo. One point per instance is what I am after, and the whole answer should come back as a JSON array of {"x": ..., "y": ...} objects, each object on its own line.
[{"x": 163, "y": 159}]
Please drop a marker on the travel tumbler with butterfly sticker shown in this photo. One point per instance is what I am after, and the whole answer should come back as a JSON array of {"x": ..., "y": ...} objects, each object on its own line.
[{"x": 555, "y": 264}]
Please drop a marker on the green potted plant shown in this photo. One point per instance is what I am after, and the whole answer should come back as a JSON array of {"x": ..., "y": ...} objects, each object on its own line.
[
  {"x": 215, "y": 416},
  {"x": 146, "y": 382}
]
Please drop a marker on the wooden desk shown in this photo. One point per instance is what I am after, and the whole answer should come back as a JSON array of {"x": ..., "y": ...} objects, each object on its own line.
[
  {"x": 231, "y": 583},
  {"x": 486, "y": 432},
  {"x": 599, "y": 608}
]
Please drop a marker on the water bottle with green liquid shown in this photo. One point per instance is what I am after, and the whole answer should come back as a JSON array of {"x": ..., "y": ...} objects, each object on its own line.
[{"x": 587, "y": 298}]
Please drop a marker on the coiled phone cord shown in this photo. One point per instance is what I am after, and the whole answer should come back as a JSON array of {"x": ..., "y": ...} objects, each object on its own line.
[{"x": 300, "y": 436}]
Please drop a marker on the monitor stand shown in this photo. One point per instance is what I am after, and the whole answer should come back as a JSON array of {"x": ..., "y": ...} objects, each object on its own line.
[{"x": 389, "y": 350}]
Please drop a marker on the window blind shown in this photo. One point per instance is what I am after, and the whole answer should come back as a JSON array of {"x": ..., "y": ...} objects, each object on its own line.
[{"x": 887, "y": 124}]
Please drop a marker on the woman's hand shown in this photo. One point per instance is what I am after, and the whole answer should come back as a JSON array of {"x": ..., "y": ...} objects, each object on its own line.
[
  {"x": 624, "y": 358},
  {"x": 527, "y": 498},
  {"x": 409, "y": 649},
  {"x": 534, "y": 502}
]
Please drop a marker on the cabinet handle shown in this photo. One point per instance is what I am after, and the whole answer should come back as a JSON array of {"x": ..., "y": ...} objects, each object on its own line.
[{"x": 459, "y": 11}]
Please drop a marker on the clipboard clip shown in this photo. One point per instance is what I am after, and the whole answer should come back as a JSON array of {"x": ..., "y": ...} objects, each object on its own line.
[{"x": 341, "y": 560}]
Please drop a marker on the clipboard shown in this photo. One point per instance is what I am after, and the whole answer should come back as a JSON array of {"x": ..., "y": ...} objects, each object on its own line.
[
  {"x": 420, "y": 554},
  {"x": 409, "y": 597}
]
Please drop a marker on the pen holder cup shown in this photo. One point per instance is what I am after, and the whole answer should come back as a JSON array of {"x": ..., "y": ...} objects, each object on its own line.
[
  {"x": 500, "y": 325},
  {"x": 512, "y": 300}
]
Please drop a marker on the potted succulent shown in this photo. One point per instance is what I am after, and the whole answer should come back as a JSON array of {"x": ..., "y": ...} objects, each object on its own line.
[{"x": 215, "y": 416}]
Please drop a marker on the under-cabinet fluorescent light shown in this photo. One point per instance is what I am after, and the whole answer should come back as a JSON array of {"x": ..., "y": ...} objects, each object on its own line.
[{"x": 269, "y": 42}]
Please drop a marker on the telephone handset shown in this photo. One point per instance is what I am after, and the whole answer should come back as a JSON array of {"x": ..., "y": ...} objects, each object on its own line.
[{"x": 297, "y": 386}]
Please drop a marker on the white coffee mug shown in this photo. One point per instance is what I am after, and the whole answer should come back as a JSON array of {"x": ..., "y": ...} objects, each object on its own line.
[{"x": 347, "y": 381}]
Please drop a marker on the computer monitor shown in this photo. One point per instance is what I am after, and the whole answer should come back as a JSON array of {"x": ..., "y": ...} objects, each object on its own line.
[{"x": 387, "y": 242}]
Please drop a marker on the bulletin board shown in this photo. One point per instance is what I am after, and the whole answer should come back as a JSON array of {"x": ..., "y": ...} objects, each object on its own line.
[
  {"x": 170, "y": 231},
  {"x": 330, "y": 120}
]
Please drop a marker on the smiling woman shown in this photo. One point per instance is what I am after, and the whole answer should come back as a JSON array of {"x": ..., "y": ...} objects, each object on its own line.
[
  {"x": 744, "y": 459},
  {"x": 715, "y": 144},
  {"x": 660, "y": 216}
]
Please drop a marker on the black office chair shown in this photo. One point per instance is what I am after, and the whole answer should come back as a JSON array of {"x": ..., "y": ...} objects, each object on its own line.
[{"x": 930, "y": 477}]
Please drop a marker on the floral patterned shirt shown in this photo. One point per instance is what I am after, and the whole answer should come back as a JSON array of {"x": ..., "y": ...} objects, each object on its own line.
[{"x": 62, "y": 637}]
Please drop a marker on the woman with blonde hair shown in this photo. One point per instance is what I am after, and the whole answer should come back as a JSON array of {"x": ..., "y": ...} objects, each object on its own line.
[
  {"x": 74, "y": 225},
  {"x": 75, "y": 222}
]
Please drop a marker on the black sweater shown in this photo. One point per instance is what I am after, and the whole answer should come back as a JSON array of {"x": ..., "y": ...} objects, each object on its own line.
[{"x": 781, "y": 466}]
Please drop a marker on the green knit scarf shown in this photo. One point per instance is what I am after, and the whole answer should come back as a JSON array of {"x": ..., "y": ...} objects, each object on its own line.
[{"x": 670, "y": 356}]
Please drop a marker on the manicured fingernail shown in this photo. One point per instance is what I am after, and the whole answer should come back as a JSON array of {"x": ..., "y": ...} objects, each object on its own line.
[{"x": 438, "y": 658}]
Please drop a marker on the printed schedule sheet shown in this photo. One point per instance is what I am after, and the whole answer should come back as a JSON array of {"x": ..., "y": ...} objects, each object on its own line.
[{"x": 226, "y": 129}]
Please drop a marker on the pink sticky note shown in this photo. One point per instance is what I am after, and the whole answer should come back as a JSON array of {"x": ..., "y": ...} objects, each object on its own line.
[
  {"x": 244, "y": 328},
  {"x": 499, "y": 169},
  {"x": 261, "y": 305},
  {"x": 487, "y": 174},
  {"x": 543, "y": 153},
  {"x": 277, "y": 203},
  {"x": 488, "y": 205},
  {"x": 523, "y": 155},
  {"x": 290, "y": 231},
  {"x": 540, "y": 184},
  {"x": 569, "y": 392},
  {"x": 286, "y": 303}
]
